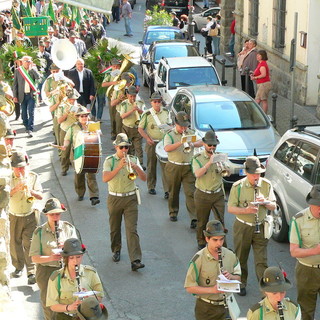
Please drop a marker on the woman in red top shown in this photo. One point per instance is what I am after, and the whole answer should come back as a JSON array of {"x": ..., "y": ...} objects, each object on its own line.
[{"x": 262, "y": 77}]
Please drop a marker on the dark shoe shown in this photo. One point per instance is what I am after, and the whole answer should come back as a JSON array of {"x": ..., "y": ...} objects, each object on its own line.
[
  {"x": 130, "y": 35},
  {"x": 173, "y": 218},
  {"x": 80, "y": 198},
  {"x": 135, "y": 265},
  {"x": 242, "y": 292},
  {"x": 94, "y": 201},
  {"x": 64, "y": 173},
  {"x": 152, "y": 191},
  {"x": 201, "y": 246},
  {"x": 116, "y": 256},
  {"x": 126, "y": 35},
  {"x": 16, "y": 273},
  {"x": 30, "y": 134},
  {"x": 193, "y": 224},
  {"x": 143, "y": 167},
  {"x": 31, "y": 279},
  {"x": 166, "y": 195}
]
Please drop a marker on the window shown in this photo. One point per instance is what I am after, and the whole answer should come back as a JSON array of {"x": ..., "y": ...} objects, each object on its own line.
[
  {"x": 285, "y": 151},
  {"x": 182, "y": 103},
  {"x": 279, "y": 23},
  {"x": 253, "y": 17}
]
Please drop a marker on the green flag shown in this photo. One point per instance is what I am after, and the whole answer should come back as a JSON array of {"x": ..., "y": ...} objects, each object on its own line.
[
  {"x": 15, "y": 20},
  {"x": 25, "y": 10},
  {"x": 66, "y": 11},
  {"x": 78, "y": 16},
  {"x": 73, "y": 13},
  {"x": 50, "y": 12}
]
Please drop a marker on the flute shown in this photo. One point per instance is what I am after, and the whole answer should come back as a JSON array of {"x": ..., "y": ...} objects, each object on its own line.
[
  {"x": 256, "y": 216},
  {"x": 280, "y": 310},
  {"x": 227, "y": 315}
]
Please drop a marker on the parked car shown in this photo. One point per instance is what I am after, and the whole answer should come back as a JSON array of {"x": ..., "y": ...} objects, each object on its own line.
[
  {"x": 161, "y": 49},
  {"x": 174, "y": 73},
  {"x": 154, "y": 33},
  {"x": 242, "y": 127},
  {"x": 293, "y": 168},
  {"x": 178, "y": 6},
  {"x": 200, "y": 19}
]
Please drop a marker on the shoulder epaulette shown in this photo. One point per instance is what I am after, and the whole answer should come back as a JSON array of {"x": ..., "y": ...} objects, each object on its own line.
[
  {"x": 197, "y": 155},
  {"x": 109, "y": 157},
  {"x": 290, "y": 301},
  {"x": 37, "y": 230},
  {"x": 90, "y": 268},
  {"x": 237, "y": 182},
  {"x": 68, "y": 223},
  {"x": 54, "y": 275},
  {"x": 255, "y": 307},
  {"x": 195, "y": 257},
  {"x": 147, "y": 113},
  {"x": 298, "y": 215}
]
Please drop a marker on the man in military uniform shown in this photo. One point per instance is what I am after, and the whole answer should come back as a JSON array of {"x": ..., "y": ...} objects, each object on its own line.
[
  {"x": 120, "y": 170},
  {"x": 203, "y": 272},
  {"x": 130, "y": 111},
  {"x": 47, "y": 238},
  {"x": 97, "y": 28},
  {"x": 107, "y": 82},
  {"x": 249, "y": 200},
  {"x": 209, "y": 194},
  {"x": 87, "y": 37},
  {"x": 178, "y": 169},
  {"x": 274, "y": 285},
  {"x": 304, "y": 245},
  {"x": 25, "y": 191},
  {"x": 151, "y": 129},
  {"x": 82, "y": 115},
  {"x": 66, "y": 116}
]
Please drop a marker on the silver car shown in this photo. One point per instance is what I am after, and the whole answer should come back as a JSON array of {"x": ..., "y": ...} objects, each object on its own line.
[
  {"x": 200, "y": 19},
  {"x": 240, "y": 124},
  {"x": 293, "y": 168}
]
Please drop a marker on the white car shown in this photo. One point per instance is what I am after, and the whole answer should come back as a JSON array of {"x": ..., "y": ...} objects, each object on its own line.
[
  {"x": 200, "y": 19},
  {"x": 174, "y": 73}
]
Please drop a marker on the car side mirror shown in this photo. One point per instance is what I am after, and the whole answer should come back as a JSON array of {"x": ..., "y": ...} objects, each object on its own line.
[
  {"x": 140, "y": 42},
  {"x": 161, "y": 85}
]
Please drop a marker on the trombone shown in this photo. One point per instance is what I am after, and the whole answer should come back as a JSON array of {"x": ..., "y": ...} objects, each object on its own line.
[{"x": 131, "y": 175}]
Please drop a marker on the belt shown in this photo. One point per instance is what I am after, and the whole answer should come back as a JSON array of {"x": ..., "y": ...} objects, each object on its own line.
[
  {"x": 214, "y": 302},
  {"x": 310, "y": 265},
  {"x": 180, "y": 163},
  {"x": 209, "y": 191},
  {"x": 21, "y": 214},
  {"x": 134, "y": 127},
  {"x": 248, "y": 223},
  {"x": 117, "y": 194},
  {"x": 70, "y": 314}
]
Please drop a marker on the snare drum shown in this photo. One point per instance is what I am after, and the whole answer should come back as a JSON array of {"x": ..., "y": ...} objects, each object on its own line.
[
  {"x": 161, "y": 153},
  {"x": 87, "y": 152}
]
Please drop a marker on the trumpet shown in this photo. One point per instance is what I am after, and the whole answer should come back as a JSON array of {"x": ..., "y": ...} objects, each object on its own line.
[
  {"x": 131, "y": 175},
  {"x": 223, "y": 169},
  {"x": 186, "y": 146},
  {"x": 28, "y": 195}
]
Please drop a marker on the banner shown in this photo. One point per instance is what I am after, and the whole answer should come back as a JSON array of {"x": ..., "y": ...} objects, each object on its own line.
[
  {"x": 15, "y": 20},
  {"x": 103, "y": 6}
]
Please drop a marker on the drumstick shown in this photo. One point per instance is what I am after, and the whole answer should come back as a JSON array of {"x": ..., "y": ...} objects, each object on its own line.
[{"x": 55, "y": 146}]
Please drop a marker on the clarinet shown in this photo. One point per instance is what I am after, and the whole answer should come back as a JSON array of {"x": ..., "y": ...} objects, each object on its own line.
[
  {"x": 280, "y": 310},
  {"x": 77, "y": 269},
  {"x": 56, "y": 232},
  {"x": 256, "y": 216},
  {"x": 227, "y": 315}
]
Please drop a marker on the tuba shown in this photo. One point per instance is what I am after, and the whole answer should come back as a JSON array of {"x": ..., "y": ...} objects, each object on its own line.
[
  {"x": 64, "y": 54},
  {"x": 125, "y": 66}
]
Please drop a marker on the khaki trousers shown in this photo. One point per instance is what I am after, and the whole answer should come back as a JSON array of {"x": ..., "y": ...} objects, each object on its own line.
[
  {"x": 204, "y": 203},
  {"x": 21, "y": 230},
  {"x": 80, "y": 184},
  {"x": 43, "y": 274},
  {"x": 118, "y": 123},
  {"x": 308, "y": 285},
  {"x": 207, "y": 311},
  {"x": 112, "y": 115},
  {"x": 243, "y": 238},
  {"x": 128, "y": 208},
  {"x": 65, "y": 155},
  {"x": 152, "y": 161},
  {"x": 56, "y": 130},
  {"x": 136, "y": 139},
  {"x": 177, "y": 175}
]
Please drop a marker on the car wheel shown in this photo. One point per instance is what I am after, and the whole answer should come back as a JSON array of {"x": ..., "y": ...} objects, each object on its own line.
[{"x": 280, "y": 225}]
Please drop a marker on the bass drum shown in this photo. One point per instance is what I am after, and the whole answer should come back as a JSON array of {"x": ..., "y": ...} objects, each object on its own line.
[
  {"x": 161, "y": 153},
  {"x": 87, "y": 152}
]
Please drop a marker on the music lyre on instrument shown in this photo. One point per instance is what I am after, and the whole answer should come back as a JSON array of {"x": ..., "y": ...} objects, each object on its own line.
[
  {"x": 256, "y": 215},
  {"x": 227, "y": 314},
  {"x": 280, "y": 310}
]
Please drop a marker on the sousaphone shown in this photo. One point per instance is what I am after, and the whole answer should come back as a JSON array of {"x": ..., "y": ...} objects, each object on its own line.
[{"x": 64, "y": 54}]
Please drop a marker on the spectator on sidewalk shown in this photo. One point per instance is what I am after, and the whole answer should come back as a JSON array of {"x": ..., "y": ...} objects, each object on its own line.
[
  {"x": 233, "y": 35},
  {"x": 127, "y": 16},
  {"x": 205, "y": 33}
]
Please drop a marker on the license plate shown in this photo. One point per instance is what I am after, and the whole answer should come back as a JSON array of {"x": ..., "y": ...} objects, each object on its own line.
[{"x": 242, "y": 172}]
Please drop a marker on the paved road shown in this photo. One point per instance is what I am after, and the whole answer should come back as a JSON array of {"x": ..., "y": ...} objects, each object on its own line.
[{"x": 155, "y": 292}]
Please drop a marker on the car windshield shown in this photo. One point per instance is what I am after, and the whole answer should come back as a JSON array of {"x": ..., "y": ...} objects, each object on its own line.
[
  {"x": 174, "y": 51},
  {"x": 193, "y": 76},
  {"x": 162, "y": 35},
  {"x": 229, "y": 115}
]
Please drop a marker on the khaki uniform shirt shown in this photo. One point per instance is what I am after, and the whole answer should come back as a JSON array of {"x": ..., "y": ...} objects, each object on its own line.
[
  {"x": 305, "y": 231},
  {"x": 211, "y": 180},
  {"x": 44, "y": 240},
  {"x": 134, "y": 117},
  {"x": 177, "y": 155},
  {"x": 115, "y": 95},
  {"x": 120, "y": 183},
  {"x": 242, "y": 193},
  {"x": 70, "y": 120},
  {"x": 148, "y": 123},
  {"x": 18, "y": 204},
  {"x": 207, "y": 268},
  {"x": 264, "y": 311},
  {"x": 89, "y": 280},
  {"x": 72, "y": 133},
  {"x": 50, "y": 85}
]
